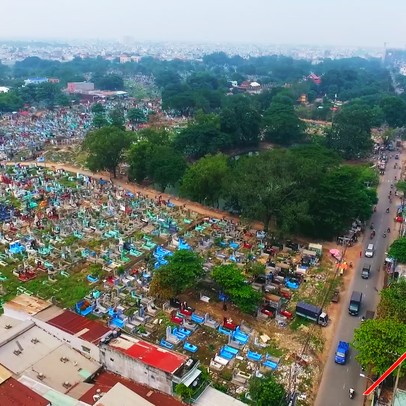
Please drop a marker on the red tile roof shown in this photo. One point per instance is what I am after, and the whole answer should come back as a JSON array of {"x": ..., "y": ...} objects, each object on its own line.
[
  {"x": 106, "y": 380},
  {"x": 14, "y": 393},
  {"x": 80, "y": 326},
  {"x": 154, "y": 356}
]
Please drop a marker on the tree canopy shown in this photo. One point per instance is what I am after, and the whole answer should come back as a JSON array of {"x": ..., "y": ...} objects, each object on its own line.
[
  {"x": 105, "y": 148},
  {"x": 182, "y": 271},
  {"x": 393, "y": 301},
  {"x": 266, "y": 391},
  {"x": 397, "y": 250},
  {"x": 379, "y": 343}
]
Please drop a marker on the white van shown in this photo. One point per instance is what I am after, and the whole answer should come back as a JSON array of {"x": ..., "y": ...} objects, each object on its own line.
[{"x": 369, "y": 252}]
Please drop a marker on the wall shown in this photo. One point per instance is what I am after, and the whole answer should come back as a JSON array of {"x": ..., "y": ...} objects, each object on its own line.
[{"x": 119, "y": 363}]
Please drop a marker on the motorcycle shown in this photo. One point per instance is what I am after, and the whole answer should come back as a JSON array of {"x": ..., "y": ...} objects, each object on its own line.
[
  {"x": 352, "y": 393},
  {"x": 384, "y": 235},
  {"x": 387, "y": 210},
  {"x": 372, "y": 235}
]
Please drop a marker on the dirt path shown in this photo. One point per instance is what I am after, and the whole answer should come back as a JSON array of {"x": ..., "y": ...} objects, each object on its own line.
[{"x": 151, "y": 193}]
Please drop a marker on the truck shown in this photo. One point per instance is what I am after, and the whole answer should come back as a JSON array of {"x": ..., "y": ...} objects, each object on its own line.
[
  {"x": 355, "y": 303},
  {"x": 312, "y": 312},
  {"x": 342, "y": 352},
  {"x": 366, "y": 270}
]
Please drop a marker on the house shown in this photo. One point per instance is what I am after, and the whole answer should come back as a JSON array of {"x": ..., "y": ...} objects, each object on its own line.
[
  {"x": 213, "y": 397},
  {"x": 35, "y": 81},
  {"x": 4, "y": 89},
  {"x": 148, "y": 364},
  {"x": 314, "y": 78}
]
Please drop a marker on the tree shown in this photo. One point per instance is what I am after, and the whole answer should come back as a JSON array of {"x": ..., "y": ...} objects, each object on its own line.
[
  {"x": 136, "y": 115},
  {"x": 398, "y": 250},
  {"x": 202, "y": 136},
  {"x": 394, "y": 109},
  {"x": 165, "y": 166},
  {"x": 379, "y": 344},
  {"x": 100, "y": 120},
  {"x": 264, "y": 187},
  {"x": 233, "y": 283},
  {"x": 342, "y": 196},
  {"x": 393, "y": 302},
  {"x": 105, "y": 148},
  {"x": 108, "y": 82},
  {"x": 116, "y": 117},
  {"x": 137, "y": 158},
  {"x": 204, "y": 180},
  {"x": 266, "y": 391},
  {"x": 98, "y": 108},
  {"x": 282, "y": 125},
  {"x": 350, "y": 134},
  {"x": 182, "y": 271},
  {"x": 10, "y": 102}
]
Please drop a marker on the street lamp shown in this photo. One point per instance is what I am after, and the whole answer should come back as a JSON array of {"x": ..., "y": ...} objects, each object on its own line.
[{"x": 366, "y": 377}]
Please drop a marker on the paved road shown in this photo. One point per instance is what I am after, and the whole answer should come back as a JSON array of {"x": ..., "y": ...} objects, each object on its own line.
[{"x": 337, "y": 379}]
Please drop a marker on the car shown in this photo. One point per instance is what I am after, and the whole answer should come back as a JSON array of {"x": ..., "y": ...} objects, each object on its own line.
[
  {"x": 366, "y": 271},
  {"x": 370, "y": 251},
  {"x": 336, "y": 296},
  {"x": 342, "y": 352}
]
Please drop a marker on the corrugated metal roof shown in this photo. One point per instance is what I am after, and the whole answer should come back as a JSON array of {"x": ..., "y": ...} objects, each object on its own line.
[
  {"x": 155, "y": 356},
  {"x": 120, "y": 395},
  {"x": 79, "y": 326},
  {"x": 14, "y": 393},
  {"x": 106, "y": 380}
]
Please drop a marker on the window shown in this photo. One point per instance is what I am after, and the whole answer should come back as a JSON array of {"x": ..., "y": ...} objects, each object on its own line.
[{"x": 85, "y": 349}]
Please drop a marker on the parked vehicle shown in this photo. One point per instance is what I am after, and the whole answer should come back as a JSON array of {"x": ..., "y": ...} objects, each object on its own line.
[
  {"x": 336, "y": 296},
  {"x": 366, "y": 270},
  {"x": 355, "y": 303},
  {"x": 312, "y": 312},
  {"x": 342, "y": 351}
]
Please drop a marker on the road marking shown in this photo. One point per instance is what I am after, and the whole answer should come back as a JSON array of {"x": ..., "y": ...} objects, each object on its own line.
[{"x": 344, "y": 386}]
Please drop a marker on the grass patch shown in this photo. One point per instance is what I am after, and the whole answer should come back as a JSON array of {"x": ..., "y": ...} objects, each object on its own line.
[{"x": 298, "y": 322}]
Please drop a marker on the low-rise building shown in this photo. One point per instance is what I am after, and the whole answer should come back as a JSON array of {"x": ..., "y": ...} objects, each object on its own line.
[
  {"x": 80, "y": 87},
  {"x": 148, "y": 364},
  {"x": 14, "y": 393}
]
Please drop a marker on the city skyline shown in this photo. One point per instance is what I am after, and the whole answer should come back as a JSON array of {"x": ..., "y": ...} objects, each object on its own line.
[{"x": 315, "y": 22}]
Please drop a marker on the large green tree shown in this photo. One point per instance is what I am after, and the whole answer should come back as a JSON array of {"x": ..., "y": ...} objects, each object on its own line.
[
  {"x": 282, "y": 125},
  {"x": 204, "y": 181},
  {"x": 202, "y": 136},
  {"x": 394, "y": 109},
  {"x": 136, "y": 115},
  {"x": 266, "y": 391},
  {"x": 105, "y": 148},
  {"x": 342, "y": 196},
  {"x": 379, "y": 343},
  {"x": 350, "y": 134},
  {"x": 393, "y": 301},
  {"x": 184, "y": 268},
  {"x": 165, "y": 166},
  {"x": 233, "y": 283},
  {"x": 398, "y": 250},
  {"x": 116, "y": 117}
]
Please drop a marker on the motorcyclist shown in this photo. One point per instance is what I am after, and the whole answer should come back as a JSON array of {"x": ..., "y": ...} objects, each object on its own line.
[
  {"x": 384, "y": 235},
  {"x": 387, "y": 210},
  {"x": 388, "y": 230},
  {"x": 352, "y": 392},
  {"x": 372, "y": 226}
]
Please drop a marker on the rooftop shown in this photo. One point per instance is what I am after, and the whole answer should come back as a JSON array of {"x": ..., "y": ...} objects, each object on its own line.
[
  {"x": 106, "y": 380},
  {"x": 79, "y": 326},
  {"x": 14, "y": 393},
  {"x": 213, "y": 397},
  {"x": 150, "y": 354},
  {"x": 27, "y": 348},
  {"x": 54, "y": 397},
  {"x": 120, "y": 395},
  {"x": 28, "y": 304}
]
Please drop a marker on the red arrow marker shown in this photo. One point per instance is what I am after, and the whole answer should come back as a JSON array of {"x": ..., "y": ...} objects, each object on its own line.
[{"x": 387, "y": 372}]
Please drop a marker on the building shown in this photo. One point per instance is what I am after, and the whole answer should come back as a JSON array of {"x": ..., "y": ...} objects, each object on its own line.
[
  {"x": 14, "y": 393},
  {"x": 399, "y": 398},
  {"x": 213, "y": 397},
  {"x": 148, "y": 364},
  {"x": 4, "y": 89},
  {"x": 104, "y": 381},
  {"x": 35, "y": 81},
  {"x": 120, "y": 395},
  {"x": 80, "y": 87},
  {"x": 80, "y": 333}
]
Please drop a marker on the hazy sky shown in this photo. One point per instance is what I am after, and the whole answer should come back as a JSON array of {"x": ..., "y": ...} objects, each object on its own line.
[{"x": 333, "y": 22}]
